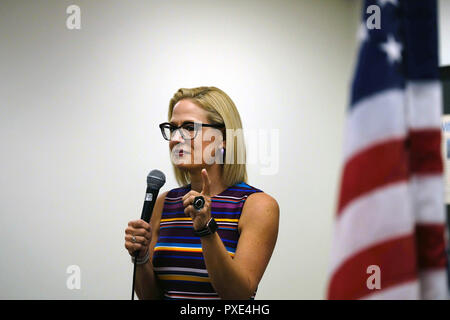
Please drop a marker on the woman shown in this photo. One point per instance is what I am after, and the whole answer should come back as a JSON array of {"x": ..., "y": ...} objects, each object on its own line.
[{"x": 219, "y": 250}]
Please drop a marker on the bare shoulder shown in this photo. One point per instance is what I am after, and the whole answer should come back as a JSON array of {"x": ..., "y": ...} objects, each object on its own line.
[
  {"x": 155, "y": 219},
  {"x": 260, "y": 206},
  {"x": 262, "y": 201},
  {"x": 157, "y": 209},
  {"x": 161, "y": 197}
]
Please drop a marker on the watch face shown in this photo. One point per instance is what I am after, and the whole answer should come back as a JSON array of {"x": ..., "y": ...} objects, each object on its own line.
[
  {"x": 212, "y": 225},
  {"x": 210, "y": 228}
]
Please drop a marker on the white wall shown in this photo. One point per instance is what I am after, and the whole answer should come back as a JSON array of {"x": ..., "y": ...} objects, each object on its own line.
[
  {"x": 78, "y": 128},
  {"x": 444, "y": 32}
]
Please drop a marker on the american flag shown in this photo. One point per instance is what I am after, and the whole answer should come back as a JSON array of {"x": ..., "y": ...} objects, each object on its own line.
[{"x": 389, "y": 232}]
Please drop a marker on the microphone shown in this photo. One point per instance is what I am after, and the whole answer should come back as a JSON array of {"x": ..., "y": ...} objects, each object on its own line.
[{"x": 155, "y": 180}]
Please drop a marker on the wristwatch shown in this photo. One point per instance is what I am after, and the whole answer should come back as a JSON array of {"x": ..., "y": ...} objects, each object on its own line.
[{"x": 210, "y": 228}]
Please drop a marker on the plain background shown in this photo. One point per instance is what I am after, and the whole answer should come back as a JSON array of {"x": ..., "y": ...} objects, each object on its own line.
[
  {"x": 444, "y": 36},
  {"x": 79, "y": 111}
]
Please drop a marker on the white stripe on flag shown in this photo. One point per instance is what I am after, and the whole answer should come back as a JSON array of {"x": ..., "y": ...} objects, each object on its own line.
[
  {"x": 428, "y": 198},
  {"x": 377, "y": 118},
  {"x": 433, "y": 284},
  {"x": 404, "y": 291},
  {"x": 424, "y": 101},
  {"x": 373, "y": 218}
]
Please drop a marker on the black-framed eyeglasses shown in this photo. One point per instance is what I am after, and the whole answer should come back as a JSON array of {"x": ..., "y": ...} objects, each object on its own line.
[{"x": 188, "y": 130}]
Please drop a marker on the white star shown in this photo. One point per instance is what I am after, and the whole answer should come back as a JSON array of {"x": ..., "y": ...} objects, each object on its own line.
[
  {"x": 362, "y": 34},
  {"x": 393, "y": 49},
  {"x": 384, "y": 2}
]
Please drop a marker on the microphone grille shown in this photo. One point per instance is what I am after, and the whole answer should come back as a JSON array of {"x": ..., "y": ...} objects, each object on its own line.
[{"x": 156, "y": 179}]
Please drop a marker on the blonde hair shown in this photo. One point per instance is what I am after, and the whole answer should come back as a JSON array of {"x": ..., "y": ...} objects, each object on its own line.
[{"x": 220, "y": 110}]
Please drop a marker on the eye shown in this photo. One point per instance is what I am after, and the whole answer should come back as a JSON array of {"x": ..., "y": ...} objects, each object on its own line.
[{"x": 189, "y": 127}]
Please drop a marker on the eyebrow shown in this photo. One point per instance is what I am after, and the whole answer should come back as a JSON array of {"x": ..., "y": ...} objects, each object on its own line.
[{"x": 184, "y": 122}]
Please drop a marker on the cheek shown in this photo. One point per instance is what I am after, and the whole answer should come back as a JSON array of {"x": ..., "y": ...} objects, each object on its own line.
[
  {"x": 185, "y": 145},
  {"x": 206, "y": 151},
  {"x": 196, "y": 150},
  {"x": 201, "y": 146}
]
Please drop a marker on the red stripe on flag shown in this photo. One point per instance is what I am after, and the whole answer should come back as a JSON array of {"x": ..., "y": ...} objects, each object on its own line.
[
  {"x": 376, "y": 166},
  {"x": 396, "y": 259},
  {"x": 425, "y": 151},
  {"x": 431, "y": 246}
]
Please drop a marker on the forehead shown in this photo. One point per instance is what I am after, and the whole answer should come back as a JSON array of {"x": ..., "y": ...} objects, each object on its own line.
[{"x": 186, "y": 110}]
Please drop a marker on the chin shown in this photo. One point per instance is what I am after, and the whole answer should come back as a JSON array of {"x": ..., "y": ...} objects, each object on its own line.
[
  {"x": 185, "y": 165},
  {"x": 189, "y": 167}
]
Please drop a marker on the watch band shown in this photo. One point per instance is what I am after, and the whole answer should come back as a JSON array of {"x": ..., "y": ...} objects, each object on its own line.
[{"x": 210, "y": 228}]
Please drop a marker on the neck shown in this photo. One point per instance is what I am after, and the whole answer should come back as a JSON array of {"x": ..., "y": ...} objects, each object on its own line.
[{"x": 214, "y": 174}]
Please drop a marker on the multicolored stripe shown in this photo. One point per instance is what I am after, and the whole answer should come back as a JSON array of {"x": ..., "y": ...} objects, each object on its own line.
[{"x": 178, "y": 256}]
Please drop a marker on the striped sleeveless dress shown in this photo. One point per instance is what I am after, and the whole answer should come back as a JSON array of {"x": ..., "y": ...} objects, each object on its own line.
[{"x": 178, "y": 259}]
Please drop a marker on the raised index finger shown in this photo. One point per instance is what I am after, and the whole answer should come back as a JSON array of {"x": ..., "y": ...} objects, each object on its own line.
[{"x": 206, "y": 183}]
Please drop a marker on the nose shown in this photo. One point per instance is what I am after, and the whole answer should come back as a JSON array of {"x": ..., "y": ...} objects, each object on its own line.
[{"x": 176, "y": 136}]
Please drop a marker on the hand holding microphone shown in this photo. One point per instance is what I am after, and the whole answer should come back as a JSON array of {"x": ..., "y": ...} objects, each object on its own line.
[
  {"x": 137, "y": 238},
  {"x": 138, "y": 233}
]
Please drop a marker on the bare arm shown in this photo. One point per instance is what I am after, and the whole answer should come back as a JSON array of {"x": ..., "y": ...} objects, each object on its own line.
[{"x": 238, "y": 277}]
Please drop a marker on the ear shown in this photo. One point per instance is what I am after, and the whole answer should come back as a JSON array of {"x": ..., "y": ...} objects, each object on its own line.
[{"x": 224, "y": 138}]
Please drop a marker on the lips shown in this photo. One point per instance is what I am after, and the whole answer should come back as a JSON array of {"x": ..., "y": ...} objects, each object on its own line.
[{"x": 182, "y": 152}]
